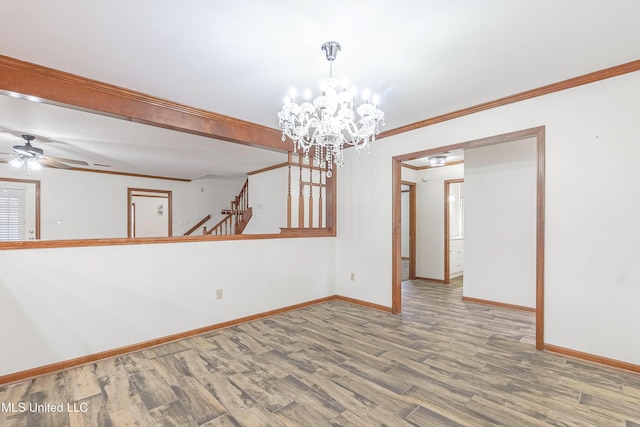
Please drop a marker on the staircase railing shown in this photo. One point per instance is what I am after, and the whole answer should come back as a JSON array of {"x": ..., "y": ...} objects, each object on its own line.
[
  {"x": 308, "y": 188},
  {"x": 236, "y": 218},
  {"x": 241, "y": 202},
  {"x": 222, "y": 228},
  {"x": 198, "y": 225}
]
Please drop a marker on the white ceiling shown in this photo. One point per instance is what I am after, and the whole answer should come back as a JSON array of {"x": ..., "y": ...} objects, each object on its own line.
[{"x": 423, "y": 57}]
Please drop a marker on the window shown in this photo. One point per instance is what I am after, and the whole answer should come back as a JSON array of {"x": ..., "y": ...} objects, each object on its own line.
[
  {"x": 12, "y": 214},
  {"x": 19, "y": 210}
]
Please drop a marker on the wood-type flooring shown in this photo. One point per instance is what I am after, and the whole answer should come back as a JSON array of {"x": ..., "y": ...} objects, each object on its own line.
[{"x": 441, "y": 362}]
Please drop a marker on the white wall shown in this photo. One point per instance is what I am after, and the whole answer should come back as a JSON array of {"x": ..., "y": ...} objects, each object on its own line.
[
  {"x": 268, "y": 198},
  {"x": 84, "y": 205},
  {"x": 500, "y": 222},
  {"x": 405, "y": 222},
  {"x": 59, "y": 304},
  {"x": 430, "y": 219},
  {"x": 147, "y": 221},
  {"x": 592, "y": 283}
]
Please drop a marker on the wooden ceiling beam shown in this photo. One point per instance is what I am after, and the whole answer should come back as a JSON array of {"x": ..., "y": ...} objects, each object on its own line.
[{"x": 60, "y": 88}]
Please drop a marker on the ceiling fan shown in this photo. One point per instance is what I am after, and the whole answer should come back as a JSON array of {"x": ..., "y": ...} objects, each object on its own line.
[{"x": 33, "y": 159}]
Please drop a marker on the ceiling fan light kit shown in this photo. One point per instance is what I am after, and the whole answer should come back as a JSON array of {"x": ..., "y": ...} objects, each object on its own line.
[
  {"x": 33, "y": 165},
  {"x": 27, "y": 155},
  {"x": 327, "y": 123},
  {"x": 16, "y": 162}
]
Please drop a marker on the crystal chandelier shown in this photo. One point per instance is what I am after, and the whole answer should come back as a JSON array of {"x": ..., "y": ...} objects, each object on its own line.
[{"x": 328, "y": 122}]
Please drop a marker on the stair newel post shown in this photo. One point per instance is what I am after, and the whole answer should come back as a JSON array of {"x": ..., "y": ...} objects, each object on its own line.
[
  {"x": 245, "y": 196},
  {"x": 234, "y": 213},
  {"x": 289, "y": 193},
  {"x": 320, "y": 196},
  {"x": 310, "y": 194},
  {"x": 301, "y": 196}
]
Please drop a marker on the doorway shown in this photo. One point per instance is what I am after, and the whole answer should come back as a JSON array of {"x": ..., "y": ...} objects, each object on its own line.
[
  {"x": 149, "y": 213},
  {"x": 409, "y": 229},
  {"x": 538, "y": 135},
  {"x": 453, "y": 230}
]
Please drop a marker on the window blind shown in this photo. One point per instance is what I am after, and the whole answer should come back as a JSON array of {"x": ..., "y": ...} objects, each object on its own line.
[{"x": 12, "y": 216}]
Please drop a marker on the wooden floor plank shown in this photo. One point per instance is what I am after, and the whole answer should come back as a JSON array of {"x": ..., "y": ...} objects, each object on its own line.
[
  {"x": 307, "y": 396},
  {"x": 82, "y": 382},
  {"x": 89, "y": 412},
  {"x": 328, "y": 387},
  {"x": 124, "y": 407},
  {"x": 232, "y": 398},
  {"x": 262, "y": 390},
  {"x": 256, "y": 416},
  {"x": 383, "y": 397}
]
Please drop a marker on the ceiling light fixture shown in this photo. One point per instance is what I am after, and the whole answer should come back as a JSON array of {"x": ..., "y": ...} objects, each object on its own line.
[
  {"x": 328, "y": 122},
  {"x": 27, "y": 156},
  {"x": 436, "y": 161},
  {"x": 17, "y": 162},
  {"x": 34, "y": 165}
]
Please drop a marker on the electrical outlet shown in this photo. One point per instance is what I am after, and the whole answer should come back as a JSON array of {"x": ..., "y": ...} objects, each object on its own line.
[
  {"x": 353, "y": 277},
  {"x": 218, "y": 293}
]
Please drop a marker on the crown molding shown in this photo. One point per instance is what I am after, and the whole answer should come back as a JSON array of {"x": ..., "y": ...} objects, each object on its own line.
[{"x": 607, "y": 73}]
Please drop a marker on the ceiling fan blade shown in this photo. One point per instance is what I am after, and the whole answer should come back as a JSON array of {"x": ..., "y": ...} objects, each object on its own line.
[
  {"x": 62, "y": 159},
  {"x": 9, "y": 131},
  {"x": 19, "y": 135},
  {"x": 46, "y": 161},
  {"x": 6, "y": 159}
]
